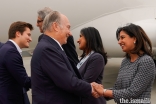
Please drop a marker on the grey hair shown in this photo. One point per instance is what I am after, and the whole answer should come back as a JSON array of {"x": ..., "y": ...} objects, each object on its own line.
[
  {"x": 52, "y": 17},
  {"x": 43, "y": 12}
]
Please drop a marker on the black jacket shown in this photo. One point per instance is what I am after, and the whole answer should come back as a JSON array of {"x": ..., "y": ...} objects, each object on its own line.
[{"x": 1, "y": 44}]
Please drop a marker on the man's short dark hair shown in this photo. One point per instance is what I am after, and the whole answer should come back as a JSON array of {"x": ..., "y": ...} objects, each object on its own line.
[{"x": 18, "y": 26}]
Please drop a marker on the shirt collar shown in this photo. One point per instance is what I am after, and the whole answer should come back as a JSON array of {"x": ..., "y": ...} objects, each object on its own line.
[
  {"x": 18, "y": 48},
  {"x": 58, "y": 44}
]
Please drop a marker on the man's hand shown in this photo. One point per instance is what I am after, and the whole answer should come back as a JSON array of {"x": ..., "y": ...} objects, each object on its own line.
[
  {"x": 98, "y": 88},
  {"x": 94, "y": 92}
]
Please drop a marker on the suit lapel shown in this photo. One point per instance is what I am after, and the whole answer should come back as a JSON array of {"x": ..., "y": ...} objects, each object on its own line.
[
  {"x": 52, "y": 41},
  {"x": 70, "y": 64},
  {"x": 10, "y": 43},
  {"x": 75, "y": 68}
]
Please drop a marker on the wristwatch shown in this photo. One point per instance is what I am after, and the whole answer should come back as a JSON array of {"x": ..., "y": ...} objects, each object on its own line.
[{"x": 104, "y": 90}]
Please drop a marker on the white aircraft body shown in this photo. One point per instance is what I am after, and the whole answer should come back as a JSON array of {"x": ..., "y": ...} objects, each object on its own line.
[{"x": 105, "y": 15}]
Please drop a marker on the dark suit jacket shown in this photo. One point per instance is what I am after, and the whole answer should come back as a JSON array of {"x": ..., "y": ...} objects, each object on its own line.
[
  {"x": 1, "y": 44},
  {"x": 69, "y": 48},
  {"x": 13, "y": 76},
  {"x": 54, "y": 81},
  {"x": 92, "y": 71}
]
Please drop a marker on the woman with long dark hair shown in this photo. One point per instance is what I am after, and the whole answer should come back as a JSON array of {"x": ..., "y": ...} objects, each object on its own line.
[{"x": 93, "y": 60}]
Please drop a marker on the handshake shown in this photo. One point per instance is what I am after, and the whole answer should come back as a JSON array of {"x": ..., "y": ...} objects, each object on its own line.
[{"x": 97, "y": 90}]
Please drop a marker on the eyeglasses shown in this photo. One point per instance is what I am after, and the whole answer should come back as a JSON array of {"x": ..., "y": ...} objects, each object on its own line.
[{"x": 38, "y": 21}]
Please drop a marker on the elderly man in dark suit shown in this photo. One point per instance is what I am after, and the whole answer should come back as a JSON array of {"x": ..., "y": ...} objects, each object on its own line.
[
  {"x": 14, "y": 81},
  {"x": 69, "y": 47},
  {"x": 54, "y": 80}
]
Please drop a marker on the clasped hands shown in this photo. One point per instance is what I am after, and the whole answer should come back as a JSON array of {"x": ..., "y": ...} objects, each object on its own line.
[{"x": 97, "y": 90}]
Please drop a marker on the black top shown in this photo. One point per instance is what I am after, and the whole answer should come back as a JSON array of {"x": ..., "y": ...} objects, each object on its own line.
[{"x": 69, "y": 49}]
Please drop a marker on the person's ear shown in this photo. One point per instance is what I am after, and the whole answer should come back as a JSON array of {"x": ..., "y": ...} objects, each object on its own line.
[
  {"x": 55, "y": 26},
  {"x": 134, "y": 40},
  {"x": 17, "y": 34}
]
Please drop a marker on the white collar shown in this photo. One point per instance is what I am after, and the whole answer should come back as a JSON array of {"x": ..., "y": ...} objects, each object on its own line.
[
  {"x": 18, "y": 48},
  {"x": 84, "y": 59},
  {"x": 58, "y": 44}
]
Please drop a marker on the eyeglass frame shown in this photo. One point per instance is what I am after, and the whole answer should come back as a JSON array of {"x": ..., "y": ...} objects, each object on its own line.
[{"x": 38, "y": 21}]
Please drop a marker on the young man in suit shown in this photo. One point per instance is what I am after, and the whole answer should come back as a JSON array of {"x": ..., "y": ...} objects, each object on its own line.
[
  {"x": 54, "y": 80},
  {"x": 69, "y": 47},
  {"x": 1, "y": 44},
  {"x": 14, "y": 81}
]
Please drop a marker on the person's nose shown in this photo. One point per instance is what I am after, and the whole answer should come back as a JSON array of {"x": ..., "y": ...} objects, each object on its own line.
[
  {"x": 119, "y": 41},
  {"x": 78, "y": 40},
  {"x": 70, "y": 34},
  {"x": 30, "y": 39}
]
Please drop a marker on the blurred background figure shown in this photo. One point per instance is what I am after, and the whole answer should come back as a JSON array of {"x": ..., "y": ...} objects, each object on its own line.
[
  {"x": 93, "y": 60},
  {"x": 41, "y": 15}
]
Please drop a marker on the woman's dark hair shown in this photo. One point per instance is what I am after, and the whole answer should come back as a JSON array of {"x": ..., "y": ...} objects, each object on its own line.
[
  {"x": 143, "y": 42},
  {"x": 93, "y": 42}
]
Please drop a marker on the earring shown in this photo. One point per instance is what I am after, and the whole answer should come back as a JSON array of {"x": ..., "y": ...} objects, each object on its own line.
[{"x": 134, "y": 42}]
